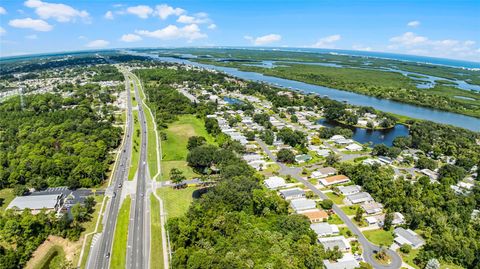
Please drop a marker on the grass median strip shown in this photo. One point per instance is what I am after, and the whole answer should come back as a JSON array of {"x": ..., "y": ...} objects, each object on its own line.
[
  {"x": 156, "y": 259},
  {"x": 119, "y": 252},
  {"x": 137, "y": 140}
]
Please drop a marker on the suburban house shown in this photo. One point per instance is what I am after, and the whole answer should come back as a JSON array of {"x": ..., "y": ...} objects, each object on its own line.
[
  {"x": 358, "y": 198},
  {"x": 371, "y": 220},
  {"x": 344, "y": 141},
  {"x": 398, "y": 219},
  {"x": 354, "y": 147},
  {"x": 349, "y": 190},
  {"x": 409, "y": 237},
  {"x": 316, "y": 215},
  {"x": 300, "y": 205},
  {"x": 324, "y": 172},
  {"x": 324, "y": 229},
  {"x": 372, "y": 208},
  {"x": 338, "y": 179},
  {"x": 335, "y": 241},
  {"x": 294, "y": 193},
  {"x": 323, "y": 152},
  {"x": 274, "y": 182},
  {"x": 36, "y": 203},
  {"x": 346, "y": 262},
  {"x": 337, "y": 137},
  {"x": 429, "y": 173}
]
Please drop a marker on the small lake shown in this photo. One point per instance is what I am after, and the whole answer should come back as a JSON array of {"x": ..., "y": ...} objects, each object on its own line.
[
  {"x": 385, "y": 105},
  {"x": 374, "y": 137},
  {"x": 232, "y": 101}
]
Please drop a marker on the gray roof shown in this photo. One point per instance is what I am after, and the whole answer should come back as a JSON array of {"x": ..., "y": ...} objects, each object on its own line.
[
  {"x": 302, "y": 204},
  {"x": 292, "y": 192},
  {"x": 410, "y": 236},
  {"x": 327, "y": 170},
  {"x": 331, "y": 242},
  {"x": 349, "y": 189},
  {"x": 360, "y": 197},
  {"x": 350, "y": 264},
  {"x": 35, "y": 202},
  {"x": 323, "y": 228}
]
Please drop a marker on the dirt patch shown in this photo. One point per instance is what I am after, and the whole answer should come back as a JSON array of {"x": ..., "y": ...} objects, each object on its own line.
[
  {"x": 185, "y": 130},
  {"x": 70, "y": 249}
]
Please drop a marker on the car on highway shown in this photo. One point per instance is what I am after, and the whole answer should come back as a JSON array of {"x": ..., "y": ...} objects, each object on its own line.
[
  {"x": 107, "y": 255},
  {"x": 114, "y": 194},
  {"x": 119, "y": 185}
]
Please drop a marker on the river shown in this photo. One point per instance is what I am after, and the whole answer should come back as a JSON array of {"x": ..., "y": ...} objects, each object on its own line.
[{"x": 412, "y": 111}]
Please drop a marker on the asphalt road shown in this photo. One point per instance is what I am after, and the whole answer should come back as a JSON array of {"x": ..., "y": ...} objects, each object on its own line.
[
  {"x": 138, "y": 248},
  {"x": 100, "y": 254},
  {"x": 369, "y": 249}
]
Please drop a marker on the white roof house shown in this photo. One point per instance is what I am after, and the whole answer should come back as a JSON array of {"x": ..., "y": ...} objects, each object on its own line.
[
  {"x": 409, "y": 237},
  {"x": 354, "y": 147},
  {"x": 335, "y": 241},
  {"x": 274, "y": 182},
  {"x": 252, "y": 157},
  {"x": 349, "y": 190},
  {"x": 361, "y": 197},
  {"x": 372, "y": 207},
  {"x": 346, "y": 262},
  {"x": 300, "y": 205},
  {"x": 337, "y": 137},
  {"x": 324, "y": 229},
  {"x": 294, "y": 193}
]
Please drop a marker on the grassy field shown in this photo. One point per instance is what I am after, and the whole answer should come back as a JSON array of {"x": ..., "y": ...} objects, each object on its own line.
[
  {"x": 178, "y": 132},
  {"x": 350, "y": 210},
  {"x": 151, "y": 145},
  {"x": 89, "y": 227},
  {"x": 119, "y": 249},
  {"x": 156, "y": 259},
  {"x": 337, "y": 199},
  {"x": 334, "y": 219},
  {"x": 54, "y": 257},
  {"x": 137, "y": 140},
  {"x": 176, "y": 202},
  {"x": 6, "y": 196},
  {"x": 408, "y": 258},
  {"x": 181, "y": 165},
  {"x": 379, "y": 237}
]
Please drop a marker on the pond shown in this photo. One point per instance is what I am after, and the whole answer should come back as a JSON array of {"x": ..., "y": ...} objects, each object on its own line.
[{"x": 374, "y": 137}]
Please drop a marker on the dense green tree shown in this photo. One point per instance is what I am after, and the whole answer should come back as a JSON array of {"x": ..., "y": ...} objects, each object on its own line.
[
  {"x": 285, "y": 156},
  {"x": 195, "y": 141}
]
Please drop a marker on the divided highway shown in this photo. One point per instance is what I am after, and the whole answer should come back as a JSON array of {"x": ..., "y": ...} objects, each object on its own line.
[
  {"x": 138, "y": 245},
  {"x": 100, "y": 253}
]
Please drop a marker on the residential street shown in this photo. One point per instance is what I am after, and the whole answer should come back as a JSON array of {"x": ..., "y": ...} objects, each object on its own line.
[{"x": 368, "y": 248}]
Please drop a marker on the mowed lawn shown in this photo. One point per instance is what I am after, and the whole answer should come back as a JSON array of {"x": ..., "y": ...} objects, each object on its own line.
[
  {"x": 379, "y": 237},
  {"x": 181, "y": 165},
  {"x": 119, "y": 250},
  {"x": 156, "y": 259},
  {"x": 176, "y": 202},
  {"x": 178, "y": 132}
]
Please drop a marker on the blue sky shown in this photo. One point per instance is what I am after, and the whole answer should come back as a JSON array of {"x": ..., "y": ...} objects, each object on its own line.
[{"x": 449, "y": 29}]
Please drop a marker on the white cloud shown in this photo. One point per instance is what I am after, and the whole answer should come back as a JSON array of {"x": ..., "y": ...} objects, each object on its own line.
[
  {"x": 3, "y": 11},
  {"x": 141, "y": 11},
  {"x": 212, "y": 26},
  {"x": 31, "y": 36},
  {"x": 108, "y": 15},
  {"x": 421, "y": 45},
  {"x": 264, "y": 40},
  {"x": 360, "y": 47},
  {"x": 2, "y": 31},
  {"x": 327, "y": 42},
  {"x": 130, "y": 38},
  {"x": 59, "y": 12},
  {"x": 99, "y": 43},
  {"x": 189, "y": 32},
  {"x": 29, "y": 23},
  {"x": 165, "y": 11},
  {"x": 408, "y": 39},
  {"x": 200, "y": 18},
  {"x": 82, "y": 37},
  {"x": 413, "y": 24}
]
